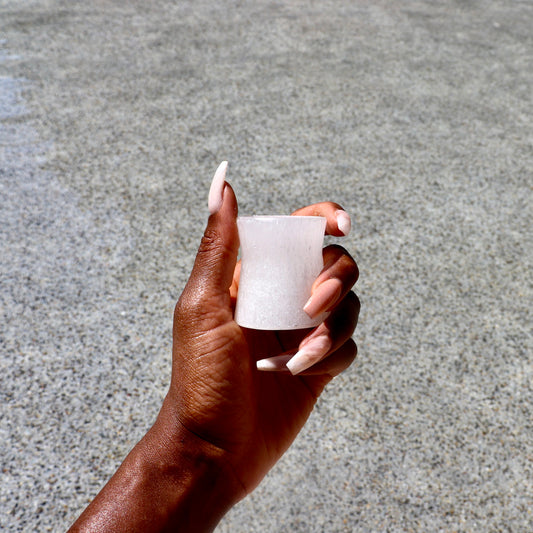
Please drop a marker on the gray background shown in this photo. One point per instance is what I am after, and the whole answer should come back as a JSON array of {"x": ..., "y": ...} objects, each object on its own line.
[{"x": 414, "y": 115}]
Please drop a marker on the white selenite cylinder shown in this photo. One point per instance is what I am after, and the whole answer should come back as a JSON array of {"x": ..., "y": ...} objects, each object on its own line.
[{"x": 281, "y": 256}]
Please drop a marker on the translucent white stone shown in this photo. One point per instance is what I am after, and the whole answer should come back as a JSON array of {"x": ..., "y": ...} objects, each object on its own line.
[{"x": 281, "y": 258}]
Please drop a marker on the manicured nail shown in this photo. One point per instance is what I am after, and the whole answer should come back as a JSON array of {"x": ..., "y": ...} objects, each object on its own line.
[
  {"x": 323, "y": 297},
  {"x": 216, "y": 192},
  {"x": 274, "y": 364},
  {"x": 311, "y": 353},
  {"x": 344, "y": 222}
]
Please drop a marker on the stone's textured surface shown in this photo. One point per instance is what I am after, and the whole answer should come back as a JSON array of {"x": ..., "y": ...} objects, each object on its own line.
[
  {"x": 414, "y": 116},
  {"x": 281, "y": 258}
]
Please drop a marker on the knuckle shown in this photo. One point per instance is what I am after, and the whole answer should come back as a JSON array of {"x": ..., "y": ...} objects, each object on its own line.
[
  {"x": 191, "y": 307},
  {"x": 213, "y": 248},
  {"x": 344, "y": 319},
  {"x": 353, "y": 300},
  {"x": 351, "y": 348},
  {"x": 198, "y": 311},
  {"x": 210, "y": 242},
  {"x": 335, "y": 256},
  {"x": 352, "y": 269}
]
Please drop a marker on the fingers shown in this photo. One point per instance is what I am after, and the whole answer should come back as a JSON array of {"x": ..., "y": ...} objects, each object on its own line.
[
  {"x": 336, "y": 363},
  {"x": 318, "y": 376},
  {"x": 332, "y": 365},
  {"x": 328, "y": 342},
  {"x": 328, "y": 349},
  {"x": 328, "y": 336},
  {"x": 340, "y": 270},
  {"x": 338, "y": 221},
  {"x": 338, "y": 276}
]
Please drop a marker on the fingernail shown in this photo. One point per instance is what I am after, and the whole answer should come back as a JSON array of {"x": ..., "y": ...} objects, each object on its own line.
[
  {"x": 344, "y": 223},
  {"x": 274, "y": 364},
  {"x": 311, "y": 353},
  {"x": 216, "y": 192},
  {"x": 323, "y": 296}
]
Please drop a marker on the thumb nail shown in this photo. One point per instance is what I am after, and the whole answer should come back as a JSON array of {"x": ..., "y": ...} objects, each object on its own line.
[{"x": 216, "y": 192}]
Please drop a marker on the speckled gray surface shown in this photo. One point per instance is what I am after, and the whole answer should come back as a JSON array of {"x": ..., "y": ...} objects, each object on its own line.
[{"x": 416, "y": 116}]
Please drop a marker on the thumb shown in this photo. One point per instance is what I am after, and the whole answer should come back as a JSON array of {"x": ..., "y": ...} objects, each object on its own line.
[{"x": 212, "y": 274}]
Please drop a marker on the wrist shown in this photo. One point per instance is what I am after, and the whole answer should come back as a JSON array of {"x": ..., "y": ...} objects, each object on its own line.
[
  {"x": 193, "y": 479},
  {"x": 170, "y": 481}
]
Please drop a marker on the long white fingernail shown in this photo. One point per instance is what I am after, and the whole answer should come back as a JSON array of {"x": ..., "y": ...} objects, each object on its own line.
[
  {"x": 313, "y": 352},
  {"x": 274, "y": 364},
  {"x": 344, "y": 222},
  {"x": 216, "y": 191}
]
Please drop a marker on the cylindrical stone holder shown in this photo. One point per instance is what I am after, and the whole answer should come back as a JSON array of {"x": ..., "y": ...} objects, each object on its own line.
[{"x": 281, "y": 256}]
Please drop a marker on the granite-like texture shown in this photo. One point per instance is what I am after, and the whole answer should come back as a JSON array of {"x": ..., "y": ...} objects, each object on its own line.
[{"x": 416, "y": 116}]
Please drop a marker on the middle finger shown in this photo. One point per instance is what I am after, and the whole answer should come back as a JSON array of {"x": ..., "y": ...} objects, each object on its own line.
[{"x": 336, "y": 279}]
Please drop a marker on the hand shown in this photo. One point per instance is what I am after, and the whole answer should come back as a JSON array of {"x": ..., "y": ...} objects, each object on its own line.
[
  {"x": 225, "y": 421},
  {"x": 216, "y": 392}
]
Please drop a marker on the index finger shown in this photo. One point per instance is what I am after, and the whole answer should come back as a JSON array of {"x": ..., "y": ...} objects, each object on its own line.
[{"x": 338, "y": 221}]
